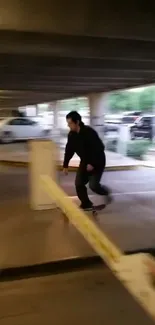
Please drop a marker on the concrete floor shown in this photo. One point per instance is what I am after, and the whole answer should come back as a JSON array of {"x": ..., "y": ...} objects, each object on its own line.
[
  {"x": 86, "y": 297},
  {"x": 28, "y": 237}
]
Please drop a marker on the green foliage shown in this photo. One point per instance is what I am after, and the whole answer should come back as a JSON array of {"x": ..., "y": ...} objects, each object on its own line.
[
  {"x": 138, "y": 148},
  {"x": 135, "y": 149},
  {"x": 111, "y": 145},
  {"x": 147, "y": 98},
  {"x": 77, "y": 104},
  {"x": 143, "y": 100},
  {"x": 119, "y": 101}
]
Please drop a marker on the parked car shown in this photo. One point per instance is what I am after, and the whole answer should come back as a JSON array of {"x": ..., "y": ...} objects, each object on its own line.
[
  {"x": 18, "y": 128},
  {"x": 133, "y": 113},
  {"x": 130, "y": 117},
  {"x": 128, "y": 120},
  {"x": 112, "y": 123},
  {"x": 144, "y": 127}
]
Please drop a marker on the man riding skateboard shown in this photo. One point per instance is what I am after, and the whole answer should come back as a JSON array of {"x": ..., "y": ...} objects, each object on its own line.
[{"x": 85, "y": 142}]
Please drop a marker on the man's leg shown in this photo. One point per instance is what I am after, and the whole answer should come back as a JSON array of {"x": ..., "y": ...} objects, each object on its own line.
[
  {"x": 81, "y": 190},
  {"x": 96, "y": 187}
]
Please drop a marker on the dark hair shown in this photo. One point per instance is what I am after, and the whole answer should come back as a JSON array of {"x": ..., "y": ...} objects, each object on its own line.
[{"x": 75, "y": 116}]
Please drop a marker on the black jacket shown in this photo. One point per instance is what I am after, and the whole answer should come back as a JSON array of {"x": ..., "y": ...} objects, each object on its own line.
[{"x": 87, "y": 145}]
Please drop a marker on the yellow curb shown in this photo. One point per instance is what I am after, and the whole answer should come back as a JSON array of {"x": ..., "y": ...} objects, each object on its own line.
[{"x": 71, "y": 168}]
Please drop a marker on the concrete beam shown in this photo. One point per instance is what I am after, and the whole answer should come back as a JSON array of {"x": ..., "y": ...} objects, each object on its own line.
[
  {"x": 79, "y": 18},
  {"x": 60, "y": 45}
]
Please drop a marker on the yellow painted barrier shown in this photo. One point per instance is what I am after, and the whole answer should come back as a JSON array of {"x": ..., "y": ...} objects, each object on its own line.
[
  {"x": 132, "y": 271},
  {"x": 91, "y": 232}
]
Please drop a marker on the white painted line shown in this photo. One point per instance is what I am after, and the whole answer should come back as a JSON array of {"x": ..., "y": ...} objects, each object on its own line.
[
  {"x": 116, "y": 194},
  {"x": 137, "y": 182},
  {"x": 134, "y": 193}
]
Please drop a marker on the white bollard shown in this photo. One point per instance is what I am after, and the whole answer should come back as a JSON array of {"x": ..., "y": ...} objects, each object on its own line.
[
  {"x": 43, "y": 161},
  {"x": 123, "y": 139}
]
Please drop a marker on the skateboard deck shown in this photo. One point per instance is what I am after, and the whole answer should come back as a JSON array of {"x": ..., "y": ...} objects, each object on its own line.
[{"x": 96, "y": 209}]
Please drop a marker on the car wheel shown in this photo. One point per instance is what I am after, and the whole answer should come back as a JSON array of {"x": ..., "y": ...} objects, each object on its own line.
[{"x": 6, "y": 137}]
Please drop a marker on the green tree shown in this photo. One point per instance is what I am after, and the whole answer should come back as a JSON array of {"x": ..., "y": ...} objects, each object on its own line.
[
  {"x": 147, "y": 99},
  {"x": 126, "y": 100},
  {"x": 78, "y": 103},
  {"x": 119, "y": 101}
]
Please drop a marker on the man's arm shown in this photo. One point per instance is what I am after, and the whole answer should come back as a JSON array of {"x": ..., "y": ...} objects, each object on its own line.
[{"x": 69, "y": 150}]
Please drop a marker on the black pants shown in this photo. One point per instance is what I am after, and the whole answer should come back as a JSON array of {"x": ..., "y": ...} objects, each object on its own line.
[{"x": 84, "y": 177}]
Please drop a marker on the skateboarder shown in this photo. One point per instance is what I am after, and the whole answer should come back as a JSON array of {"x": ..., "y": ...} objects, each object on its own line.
[{"x": 85, "y": 142}]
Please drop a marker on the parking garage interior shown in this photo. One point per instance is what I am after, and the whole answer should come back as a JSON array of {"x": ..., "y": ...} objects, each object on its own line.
[{"x": 85, "y": 50}]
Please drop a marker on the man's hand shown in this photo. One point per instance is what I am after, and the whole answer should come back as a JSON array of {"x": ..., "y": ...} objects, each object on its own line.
[
  {"x": 65, "y": 171},
  {"x": 89, "y": 168}
]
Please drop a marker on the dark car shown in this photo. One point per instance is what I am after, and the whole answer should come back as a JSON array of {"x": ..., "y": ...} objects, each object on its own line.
[
  {"x": 135, "y": 113},
  {"x": 129, "y": 119},
  {"x": 144, "y": 127}
]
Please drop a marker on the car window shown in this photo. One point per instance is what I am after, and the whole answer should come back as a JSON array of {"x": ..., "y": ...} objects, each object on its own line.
[
  {"x": 128, "y": 119},
  {"x": 22, "y": 121},
  {"x": 146, "y": 120},
  {"x": 28, "y": 122},
  {"x": 16, "y": 121},
  {"x": 134, "y": 114}
]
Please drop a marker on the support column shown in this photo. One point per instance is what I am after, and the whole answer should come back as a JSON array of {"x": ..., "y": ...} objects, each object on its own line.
[
  {"x": 56, "y": 115},
  {"x": 37, "y": 110},
  {"x": 56, "y": 130},
  {"x": 98, "y": 105}
]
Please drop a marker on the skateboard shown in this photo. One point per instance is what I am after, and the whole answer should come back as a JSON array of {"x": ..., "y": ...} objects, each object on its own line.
[
  {"x": 94, "y": 211},
  {"x": 96, "y": 208}
]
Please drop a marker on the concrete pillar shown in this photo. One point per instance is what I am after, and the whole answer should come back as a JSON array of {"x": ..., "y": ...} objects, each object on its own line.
[
  {"x": 98, "y": 105},
  {"x": 54, "y": 106},
  {"x": 37, "y": 110},
  {"x": 56, "y": 115},
  {"x": 43, "y": 157}
]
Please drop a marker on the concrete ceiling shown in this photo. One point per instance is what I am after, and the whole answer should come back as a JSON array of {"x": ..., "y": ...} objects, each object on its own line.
[{"x": 52, "y": 51}]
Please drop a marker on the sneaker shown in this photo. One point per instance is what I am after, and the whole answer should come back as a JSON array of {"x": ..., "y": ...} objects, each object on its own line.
[{"x": 88, "y": 207}]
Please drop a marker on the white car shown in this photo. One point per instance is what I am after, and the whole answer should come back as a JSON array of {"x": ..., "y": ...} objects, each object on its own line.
[{"x": 19, "y": 128}]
